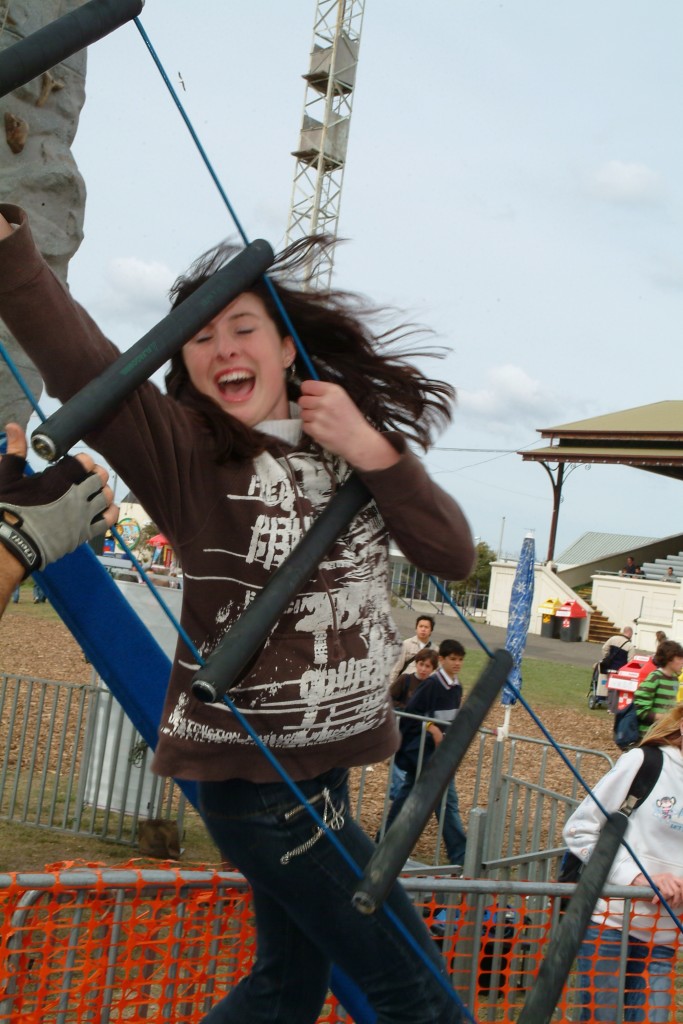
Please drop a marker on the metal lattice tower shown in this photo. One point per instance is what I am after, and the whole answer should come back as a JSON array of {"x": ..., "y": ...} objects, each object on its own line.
[{"x": 321, "y": 153}]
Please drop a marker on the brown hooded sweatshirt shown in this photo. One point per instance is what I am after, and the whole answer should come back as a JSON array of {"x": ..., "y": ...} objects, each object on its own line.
[{"x": 317, "y": 692}]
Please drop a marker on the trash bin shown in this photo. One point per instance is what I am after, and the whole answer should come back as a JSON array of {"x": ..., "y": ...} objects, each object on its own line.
[
  {"x": 623, "y": 684},
  {"x": 571, "y": 616},
  {"x": 550, "y": 625}
]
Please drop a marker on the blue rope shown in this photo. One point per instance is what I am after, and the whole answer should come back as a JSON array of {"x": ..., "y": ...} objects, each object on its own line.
[
  {"x": 14, "y": 370},
  {"x": 195, "y": 653},
  {"x": 442, "y": 590},
  {"x": 448, "y": 597},
  {"x": 270, "y": 757},
  {"x": 296, "y": 791}
]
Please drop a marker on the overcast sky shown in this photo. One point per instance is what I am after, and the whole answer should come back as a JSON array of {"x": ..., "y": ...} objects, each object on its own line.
[{"x": 514, "y": 181}]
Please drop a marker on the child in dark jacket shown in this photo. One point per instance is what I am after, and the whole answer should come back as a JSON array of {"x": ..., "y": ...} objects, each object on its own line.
[
  {"x": 438, "y": 699},
  {"x": 426, "y": 662}
]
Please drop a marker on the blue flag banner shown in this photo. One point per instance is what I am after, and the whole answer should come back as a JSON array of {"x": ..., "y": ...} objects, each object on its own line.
[{"x": 519, "y": 615}]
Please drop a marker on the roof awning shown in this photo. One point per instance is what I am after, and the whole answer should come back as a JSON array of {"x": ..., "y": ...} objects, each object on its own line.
[{"x": 648, "y": 437}]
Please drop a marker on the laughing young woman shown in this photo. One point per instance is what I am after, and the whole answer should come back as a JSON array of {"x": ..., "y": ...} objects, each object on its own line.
[{"x": 233, "y": 464}]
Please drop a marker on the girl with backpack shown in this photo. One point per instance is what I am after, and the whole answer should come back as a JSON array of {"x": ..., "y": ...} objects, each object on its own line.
[{"x": 654, "y": 834}]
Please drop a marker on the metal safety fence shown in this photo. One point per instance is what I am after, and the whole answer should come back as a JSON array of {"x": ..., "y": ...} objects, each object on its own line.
[
  {"x": 137, "y": 945},
  {"x": 515, "y": 797},
  {"x": 70, "y": 760}
]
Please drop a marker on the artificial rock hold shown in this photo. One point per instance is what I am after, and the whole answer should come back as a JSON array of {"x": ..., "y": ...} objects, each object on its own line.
[{"x": 16, "y": 132}]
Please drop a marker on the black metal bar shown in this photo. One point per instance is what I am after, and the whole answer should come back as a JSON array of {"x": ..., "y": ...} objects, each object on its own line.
[
  {"x": 387, "y": 861},
  {"x": 62, "y": 38},
  {"x": 102, "y": 395},
  {"x": 539, "y": 1006},
  {"x": 234, "y": 654}
]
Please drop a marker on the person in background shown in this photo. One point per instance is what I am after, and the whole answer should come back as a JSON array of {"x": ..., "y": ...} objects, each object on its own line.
[
  {"x": 649, "y": 666},
  {"x": 438, "y": 699},
  {"x": 653, "y": 835},
  {"x": 617, "y": 650},
  {"x": 669, "y": 576},
  {"x": 426, "y": 661},
  {"x": 424, "y": 627},
  {"x": 631, "y": 569},
  {"x": 46, "y": 515},
  {"x": 656, "y": 694}
]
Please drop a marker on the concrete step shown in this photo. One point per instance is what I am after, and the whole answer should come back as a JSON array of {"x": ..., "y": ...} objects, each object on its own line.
[{"x": 601, "y": 628}]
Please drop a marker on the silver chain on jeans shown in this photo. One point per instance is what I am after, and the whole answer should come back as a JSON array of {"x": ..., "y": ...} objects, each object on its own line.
[{"x": 332, "y": 817}]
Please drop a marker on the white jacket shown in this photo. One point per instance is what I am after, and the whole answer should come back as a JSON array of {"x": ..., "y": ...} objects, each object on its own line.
[
  {"x": 654, "y": 833},
  {"x": 403, "y": 663}
]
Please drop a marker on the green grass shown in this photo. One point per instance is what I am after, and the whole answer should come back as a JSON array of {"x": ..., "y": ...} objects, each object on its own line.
[
  {"x": 29, "y": 849},
  {"x": 27, "y": 607},
  {"x": 543, "y": 682}
]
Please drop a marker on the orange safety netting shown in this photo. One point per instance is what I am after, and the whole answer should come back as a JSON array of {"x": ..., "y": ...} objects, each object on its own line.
[{"x": 144, "y": 951}]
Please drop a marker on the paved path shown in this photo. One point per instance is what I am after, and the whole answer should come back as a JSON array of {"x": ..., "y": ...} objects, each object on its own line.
[{"x": 577, "y": 653}]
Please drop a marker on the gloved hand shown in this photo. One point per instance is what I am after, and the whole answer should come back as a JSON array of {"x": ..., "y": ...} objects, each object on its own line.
[{"x": 46, "y": 515}]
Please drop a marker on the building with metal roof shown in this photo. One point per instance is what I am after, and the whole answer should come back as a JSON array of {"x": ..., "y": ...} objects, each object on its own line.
[
  {"x": 593, "y": 546},
  {"x": 648, "y": 437}
]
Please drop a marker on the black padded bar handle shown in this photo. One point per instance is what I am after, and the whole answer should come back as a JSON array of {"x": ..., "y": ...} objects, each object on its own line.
[
  {"x": 387, "y": 861},
  {"x": 62, "y": 38},
  {"x": 236, "y": 650},
  {"x": 102, "y": 395},
  {"x": 539, "y": 1006}
]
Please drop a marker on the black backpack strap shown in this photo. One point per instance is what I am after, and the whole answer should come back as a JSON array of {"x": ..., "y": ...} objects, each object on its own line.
[
  {"x": 644, "y": 779},
  {"x": 641, "y": 787}
]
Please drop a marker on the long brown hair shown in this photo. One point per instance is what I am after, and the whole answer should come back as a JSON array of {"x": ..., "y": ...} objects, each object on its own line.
[
  {"x": 334, "y": 328},
  {"x": 666, "y": 731},
  {"x": 666, "y": 652}
]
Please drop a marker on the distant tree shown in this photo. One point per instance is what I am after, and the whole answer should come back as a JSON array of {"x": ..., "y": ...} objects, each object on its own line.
[{"x": 480, "y": 578}]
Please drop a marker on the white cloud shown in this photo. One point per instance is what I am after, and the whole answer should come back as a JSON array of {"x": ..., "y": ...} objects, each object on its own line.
[
  {"x": 628, "y": 183},
  {"x": 131, "y": 298},
  {"x": 139, "y": 283},
  {"x": 509, "y": 400}
]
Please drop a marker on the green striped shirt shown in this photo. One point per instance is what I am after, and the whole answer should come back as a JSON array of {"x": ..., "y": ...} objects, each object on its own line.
[{"x": 655, "y": 695}]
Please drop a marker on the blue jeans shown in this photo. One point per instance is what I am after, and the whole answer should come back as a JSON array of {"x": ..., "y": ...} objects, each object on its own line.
[
  {"x": 396, "y": 781},
  {"x": 647, "y": 989},
  {"x": 302, "y": 890},
  {"x": 453, "y": 832}
]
